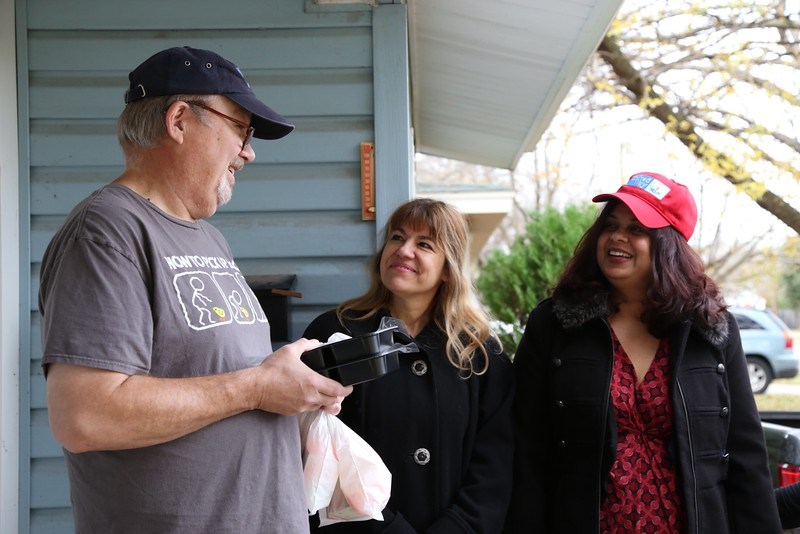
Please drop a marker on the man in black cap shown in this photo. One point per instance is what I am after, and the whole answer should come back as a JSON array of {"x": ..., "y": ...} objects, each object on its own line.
[{"x": 173, "y": 411}]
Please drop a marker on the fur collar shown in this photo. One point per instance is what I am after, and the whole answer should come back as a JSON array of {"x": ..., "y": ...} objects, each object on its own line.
[{"x": 574, "y": 315}]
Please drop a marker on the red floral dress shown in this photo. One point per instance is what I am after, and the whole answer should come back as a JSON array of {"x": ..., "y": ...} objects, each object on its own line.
[{"x": 643, "y": 495}]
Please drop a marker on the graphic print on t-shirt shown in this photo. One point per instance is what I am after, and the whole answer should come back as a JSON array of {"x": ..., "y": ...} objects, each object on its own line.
[
  {"x": 258, "y": 313},
  {"x": 216, "y": 299},
  {"x": 238, "y": 297}
]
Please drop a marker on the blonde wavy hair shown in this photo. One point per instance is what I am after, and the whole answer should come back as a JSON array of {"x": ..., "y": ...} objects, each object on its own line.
[{"x": 456, "y": 310}]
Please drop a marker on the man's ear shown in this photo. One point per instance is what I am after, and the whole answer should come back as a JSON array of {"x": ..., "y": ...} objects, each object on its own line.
[{"x": 176, "y": 120}]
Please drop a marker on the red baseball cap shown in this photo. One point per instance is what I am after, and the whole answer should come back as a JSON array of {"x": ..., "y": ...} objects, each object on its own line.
[{"x": 657, "y": 202}]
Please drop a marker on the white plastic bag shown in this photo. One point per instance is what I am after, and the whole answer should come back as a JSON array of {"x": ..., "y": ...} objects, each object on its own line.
[
  {"x": 320, "y": 466},
  {"x": 345, "y": 479}
]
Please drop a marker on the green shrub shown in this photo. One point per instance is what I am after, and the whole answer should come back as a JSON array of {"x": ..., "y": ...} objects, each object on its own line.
[
  {"x": 790, "y": 288},
  {"x": 512, "y": 283}
]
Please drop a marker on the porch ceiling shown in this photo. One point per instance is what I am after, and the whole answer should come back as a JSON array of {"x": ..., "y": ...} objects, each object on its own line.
[{"x": 488, "y": 75}]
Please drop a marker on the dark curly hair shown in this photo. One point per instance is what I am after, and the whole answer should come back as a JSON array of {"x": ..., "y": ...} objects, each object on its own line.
[{"x": 680, "y": 290}]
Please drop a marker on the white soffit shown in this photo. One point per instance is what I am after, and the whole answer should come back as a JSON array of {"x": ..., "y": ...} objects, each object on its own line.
[{"x": 488, "y": 75}]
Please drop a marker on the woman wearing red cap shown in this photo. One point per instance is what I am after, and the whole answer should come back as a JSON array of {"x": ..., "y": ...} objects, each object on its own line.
[{"x": 634, "y": 411}]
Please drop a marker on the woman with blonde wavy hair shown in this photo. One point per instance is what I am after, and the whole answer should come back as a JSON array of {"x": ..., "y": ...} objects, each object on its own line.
[{"x": 442, "y": 422}]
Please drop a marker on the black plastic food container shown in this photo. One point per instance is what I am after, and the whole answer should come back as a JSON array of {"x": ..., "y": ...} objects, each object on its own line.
[{"x": 356, "y": 360}]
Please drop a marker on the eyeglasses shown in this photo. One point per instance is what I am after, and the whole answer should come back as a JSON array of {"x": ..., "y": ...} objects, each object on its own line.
[{"x": 249, "y": 129}]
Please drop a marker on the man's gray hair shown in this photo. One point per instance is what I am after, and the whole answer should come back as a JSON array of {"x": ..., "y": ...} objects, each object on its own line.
[{"x": 141, "y": 123}]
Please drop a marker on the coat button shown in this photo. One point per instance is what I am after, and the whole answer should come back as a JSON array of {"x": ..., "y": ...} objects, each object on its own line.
[
  {"x": 419, "y": 367},
  {"x": 556, "y": 362},
  {"x": 723, "y": 412},
  {"x": 422, "y": 456},
  {"x": 721, "y": 369}
]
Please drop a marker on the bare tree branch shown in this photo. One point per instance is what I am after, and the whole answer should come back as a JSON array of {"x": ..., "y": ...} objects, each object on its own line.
[{"x": 642, "y": 92}]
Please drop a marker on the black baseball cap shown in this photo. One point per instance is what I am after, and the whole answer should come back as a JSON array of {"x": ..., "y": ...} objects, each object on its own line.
[{"x": 192, "y": 71}]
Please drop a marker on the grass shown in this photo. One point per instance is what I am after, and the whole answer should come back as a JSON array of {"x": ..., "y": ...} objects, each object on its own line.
[
  {"x": 767, "y": 402},
  {"x": 780, "y": 403}
]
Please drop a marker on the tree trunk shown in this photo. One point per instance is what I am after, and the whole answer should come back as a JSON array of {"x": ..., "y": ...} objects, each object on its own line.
[{"x": 681, "y": 126}]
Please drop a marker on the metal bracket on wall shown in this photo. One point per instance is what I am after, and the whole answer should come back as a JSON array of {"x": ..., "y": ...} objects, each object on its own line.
[{"x": 367, "y": 181}]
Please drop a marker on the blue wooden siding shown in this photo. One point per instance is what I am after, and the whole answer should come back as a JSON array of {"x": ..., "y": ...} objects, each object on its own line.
[{"x": 296, "y": 209}]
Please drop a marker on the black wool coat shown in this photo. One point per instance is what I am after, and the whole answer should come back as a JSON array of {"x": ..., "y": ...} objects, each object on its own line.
[
  {"x": 447, "y": 441},
  {"x": 566, "y": 432}
]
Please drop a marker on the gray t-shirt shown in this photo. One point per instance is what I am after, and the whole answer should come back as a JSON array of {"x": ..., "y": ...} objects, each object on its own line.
[{"x": 127, "y": 288}]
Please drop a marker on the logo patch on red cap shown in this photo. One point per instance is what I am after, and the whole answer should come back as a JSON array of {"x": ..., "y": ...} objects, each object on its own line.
[{"x": 648, "y": 183}]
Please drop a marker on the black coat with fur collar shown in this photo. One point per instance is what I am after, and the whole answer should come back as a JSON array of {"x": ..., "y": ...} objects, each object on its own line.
[{"x": 566, "y": 432}]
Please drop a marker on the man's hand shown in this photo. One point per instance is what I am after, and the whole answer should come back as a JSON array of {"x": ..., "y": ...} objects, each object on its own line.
[{"x": 285, "y": 385}]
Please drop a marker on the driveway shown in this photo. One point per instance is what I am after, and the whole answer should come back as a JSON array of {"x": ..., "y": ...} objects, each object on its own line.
[{"x": 776, "y": 388}]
